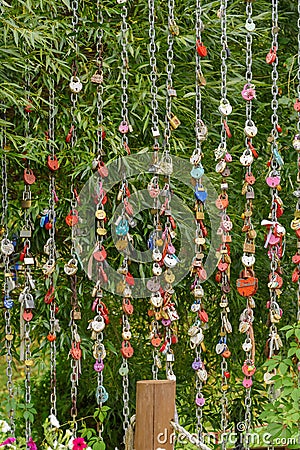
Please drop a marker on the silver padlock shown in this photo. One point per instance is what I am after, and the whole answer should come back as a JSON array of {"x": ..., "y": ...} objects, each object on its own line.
[
  {"x": 75, "y": 85},
  {"x": 29, "y": 301},
  {"x": 225, "y": 108},
  {"x": 25, "y": 233},
  {"x": 250, "y": 129},
  {"x": 247, "y": 158},
  {"x": 7, "y": 247}
]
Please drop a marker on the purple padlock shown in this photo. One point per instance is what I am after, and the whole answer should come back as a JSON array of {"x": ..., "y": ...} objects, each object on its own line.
[
  {"x": 196, "y": 364},
  {"x": 200, "y": 401},
  {"x": 166, "y": 322},
  {"x": 123, "y": 128},
  {"x": 247, "y": 382},
  {"x": 99, "y": 365}
]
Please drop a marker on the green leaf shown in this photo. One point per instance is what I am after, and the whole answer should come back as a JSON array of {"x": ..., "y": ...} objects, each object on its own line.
[{"x": 100, "y": 445}]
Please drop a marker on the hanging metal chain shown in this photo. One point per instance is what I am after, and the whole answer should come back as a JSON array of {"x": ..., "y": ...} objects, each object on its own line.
[
  {"x": 124, "y": 126},
  {"x": 248, "y": 259},
  {"x": 223, "y": 253},
  {"x": 197, "y": 269},
  {"x": 153, "y": 74},
  {"x": 75, "y": 351},
  {"x": 7, "y": 249}
]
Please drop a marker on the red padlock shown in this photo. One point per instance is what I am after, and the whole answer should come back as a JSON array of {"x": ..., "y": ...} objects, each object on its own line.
[
  {"x": 27, "y": 315},
  {"x": 201, "y": 49},
  {"x": 72, "y": 218},
  {"x": 129, "y": 279},
  {"x": 49, "y": 297},
  {"x": 127, "y": 349},
  {"x": 100, "y": 254},
  {"x": 29, "y": 176},
  {"x": 156, "y": 341},
  {"x": 51, "y": 337},
  {"x": 271, "y": 56},
  {"x": 48, "y": 226},
  {"x": 75, "y": 351},
  {"x": 127, "y": 306},
  {"x": 52, "y": 163}
]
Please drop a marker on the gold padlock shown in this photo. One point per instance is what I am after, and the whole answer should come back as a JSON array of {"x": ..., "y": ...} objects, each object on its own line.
[
  {"x": 174, "y": 121},
  {"x": 76, "y": 315},
  {"x": 97, "y": 78},
  {"x": 25, "y": 204},
  {"x": 200, "y": 215},
  {"x": 249, "y": 247}
]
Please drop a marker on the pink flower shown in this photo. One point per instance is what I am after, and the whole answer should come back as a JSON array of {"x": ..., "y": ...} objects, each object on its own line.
[
  {"x": 31, "y": 444},
  {"x": 8, "y": 441},
  {"x": 79, "y": 444}
]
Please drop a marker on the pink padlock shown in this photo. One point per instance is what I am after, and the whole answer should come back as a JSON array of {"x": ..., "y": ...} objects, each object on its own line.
[
  {"x": 55, "y": 197},
  {"x": 228, "y": 157},
  {"x": 171, "y": 249},
  {"x": 94, "y": 305},
  {"x": 200, "y": 401},
  {"x": 248, "y": 93},
  {"x": 123, "y": 128},
  {"x": 247, "y": 383},
  {"x": 273, "y": 181},
  {"x": 248, "y": 368},
  {"x": 99, "y": 365}
]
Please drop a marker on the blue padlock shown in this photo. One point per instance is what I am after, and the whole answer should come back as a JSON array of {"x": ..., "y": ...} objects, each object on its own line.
[
  {"x": 8, "y": 302},
  {"x": 122, "y": 228},
  {"x": 42, "y": 222},
  {"x": 200, "y": 195},
  {"x": 101, "y": 394},
  {"x": 197, "y": 172},
  {"x": 150, "y": 241},
  {"x": 278, "y": 157}
]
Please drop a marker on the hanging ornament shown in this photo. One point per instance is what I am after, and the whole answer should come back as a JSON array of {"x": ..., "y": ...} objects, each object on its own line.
[
  {"x": 223, "y": 158},
  {"x": 7, "y": 249},
  {"x": 247, "y": 283},
  {"x": 198, "y": 272}
]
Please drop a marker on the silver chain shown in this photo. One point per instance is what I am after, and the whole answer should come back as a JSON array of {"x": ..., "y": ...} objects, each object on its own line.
[
  {"x": 224, "y": 276},
  {"x": 124, "y": 74},
  {"x": 7, "y": 303},
  {"x": 153, "y": 73}
]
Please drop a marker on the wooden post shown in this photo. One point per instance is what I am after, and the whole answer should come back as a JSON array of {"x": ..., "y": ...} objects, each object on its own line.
[{"x": 155, "y": 407}]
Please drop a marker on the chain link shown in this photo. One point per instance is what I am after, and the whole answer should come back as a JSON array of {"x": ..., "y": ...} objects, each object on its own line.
[
  {"x": 124, "y": 72},
  {"x": 153, "y": 73}
]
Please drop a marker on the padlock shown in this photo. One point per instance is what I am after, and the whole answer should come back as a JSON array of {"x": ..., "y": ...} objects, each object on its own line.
[
  {"x": 29, "y": 301},
  {"x": 127, "y": 306},
  {"x": 201, "y": 49},
  {"x": 75, "y": 85},
  {"x": 127, "y": 349},
  {"x": 72, "y": 218},
  {"x": 99, "y": 365},
  {"x": 29, "y": 176},
  {"x": 250, "y": 25},
  {"x": 271, "y": 56},
  {"x": 174, "y": 121},
  {"x": 248, "y": 92},
  {"x": 225, "y": 108},
  {"x": 250, "y": 129},
  {"x": 97, "y": 78},
  {"x": 250, "y": 193},
  {"x": 249, "y": 247},
  {"x": 52, "y": 162}
]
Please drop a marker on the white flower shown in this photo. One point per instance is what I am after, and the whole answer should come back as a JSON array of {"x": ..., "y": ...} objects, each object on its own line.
[
  {"x": 53, "y": 421},
  {"x": 61, "y": 446},
  {"x": 4, "y": 427},
  {"x": 70, "y": 444},
  {"x": 88, "y": 448}
]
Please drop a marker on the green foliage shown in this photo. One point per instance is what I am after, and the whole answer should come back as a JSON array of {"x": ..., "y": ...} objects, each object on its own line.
[{"x": 37, "y": 37}]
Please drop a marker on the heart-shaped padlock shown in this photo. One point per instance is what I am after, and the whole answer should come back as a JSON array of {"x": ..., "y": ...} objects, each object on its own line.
[
  {"x": 226, "y": 223},
  {"x": 123, "y": 127},
  {"x": 296, "y": 258},
  {"x": 197, "y": 172},
  {"x": 225, "y": 108},
  {"x": 7, "y": 247},
  {"x": 153, "y": 285},
  {"x": 202, "y": 374},
  {"x": 248, "y": 368},
  {"x": 220, "y": 166},
  {"x": 200, "y": 194},
  {"x": 248, "y": 260},
  {"x": 156, "y": 341},
  {"x": 273, "y": 180},
  {"x": 71, "y": 267},
  {"x": 250, "y": 129},
  {"x": 222, "y": 201},
  {"x": 246, "y": 158},
  {"x": 223, "y": 266},
  {"x": 72, "y": 218},
  {"x": 248, "y": 92},
  {"x": 75, "y": 85},
  {"x": 247, "y": 383},
  {"x": 127, "y": 306},
  {"x": 101, "y": 394},
  {"x": 250, "y": 178},
  {"x": 126, "y": 335},
  {"x": 100, "y": 254},
  {"x": 99, "y": 365},
  {"x": 8, "y": 302},
  {"x": 52, "y": 162},
  {"x": 29, "y": 176},
  {"x": 200, "y": 401},
  {"x": 196, "y": 364},
  {"x": 27, "y": 315},
  {"x": 127, "y": 349}
]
